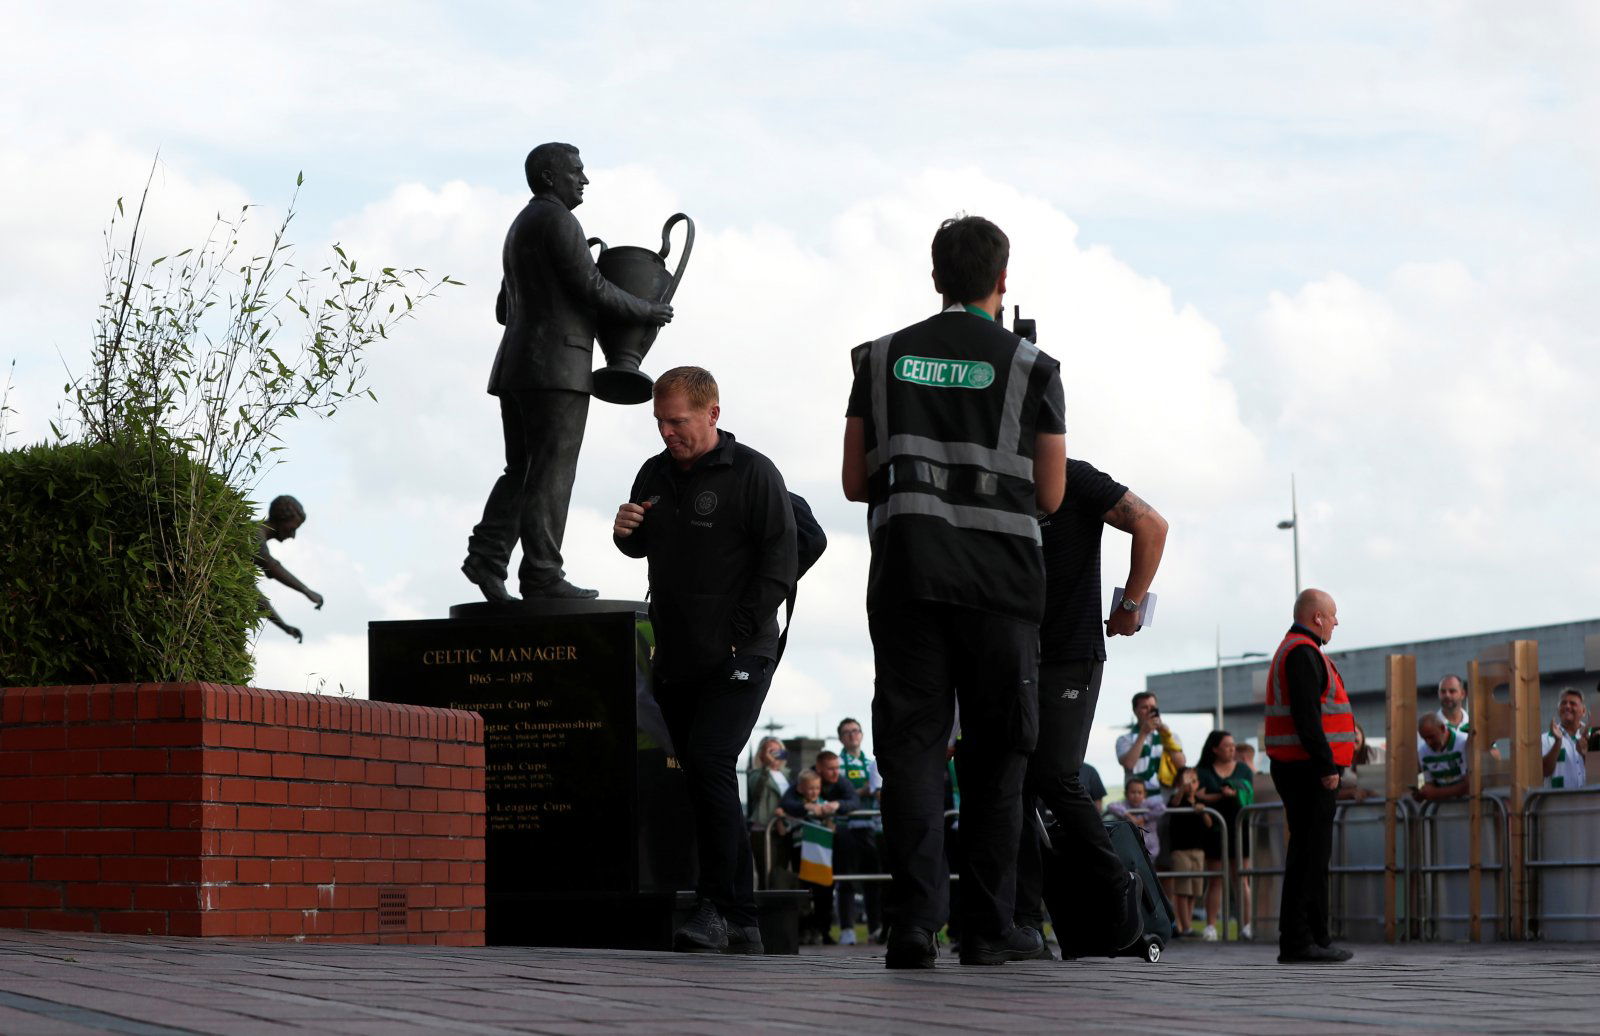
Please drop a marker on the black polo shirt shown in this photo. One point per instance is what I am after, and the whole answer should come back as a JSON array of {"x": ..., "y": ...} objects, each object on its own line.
[{"x": 1072, "y": 628}]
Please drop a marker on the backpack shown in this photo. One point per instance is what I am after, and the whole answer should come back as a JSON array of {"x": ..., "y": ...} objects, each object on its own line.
[{"x": 809, "y": 541}]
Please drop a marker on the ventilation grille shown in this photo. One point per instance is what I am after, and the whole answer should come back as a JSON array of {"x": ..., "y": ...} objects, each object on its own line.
[{"x": 392, "y": 910}]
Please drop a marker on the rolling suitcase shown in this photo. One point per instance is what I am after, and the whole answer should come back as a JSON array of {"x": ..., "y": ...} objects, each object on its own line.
[{"x": 1085, "y": 918}]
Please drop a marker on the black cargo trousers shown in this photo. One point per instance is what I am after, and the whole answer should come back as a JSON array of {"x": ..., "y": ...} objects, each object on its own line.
[
  {"x": 1068, "y": 694},
  {"x": 928, "y": 655}
]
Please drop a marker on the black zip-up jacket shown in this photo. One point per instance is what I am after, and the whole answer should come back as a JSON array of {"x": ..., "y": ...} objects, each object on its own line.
[{"x": 721, "y": 545}]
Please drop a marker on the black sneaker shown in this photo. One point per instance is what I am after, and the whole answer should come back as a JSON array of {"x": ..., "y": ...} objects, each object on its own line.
[
  {"x": 1044, "y": 947},
  {"x": 1015, "y": 944},
  {"x": 910, "y": 947},
  {"x": 1315, "y": 954},
  {"x": 704, "y": 932},
  {"x": 744, "y": 938}
]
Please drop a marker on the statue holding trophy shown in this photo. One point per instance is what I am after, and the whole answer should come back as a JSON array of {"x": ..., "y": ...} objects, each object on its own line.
[{"x": 553, "y": 300}]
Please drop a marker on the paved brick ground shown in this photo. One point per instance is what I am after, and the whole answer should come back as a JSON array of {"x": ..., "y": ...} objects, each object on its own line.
[{"x": 71, "y": 984}]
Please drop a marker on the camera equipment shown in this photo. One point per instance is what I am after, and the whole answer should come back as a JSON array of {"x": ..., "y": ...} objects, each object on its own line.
[{"x": 1028, "y": 329}]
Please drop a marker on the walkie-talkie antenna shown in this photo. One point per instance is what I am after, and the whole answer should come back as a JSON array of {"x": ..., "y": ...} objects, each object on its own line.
[{"x": 1028, "y": 329}]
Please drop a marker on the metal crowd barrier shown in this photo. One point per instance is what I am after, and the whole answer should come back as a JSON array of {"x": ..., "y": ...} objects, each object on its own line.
[
  {"x": 1420, "y": 865},
  {"x": 860, "y": 814},
  {"x": 1537, "y": 920},
  {"x": 1340, "y": 869},
  {"x": 1427, "y": 872},
  {"x": 1229, "y": 849}
]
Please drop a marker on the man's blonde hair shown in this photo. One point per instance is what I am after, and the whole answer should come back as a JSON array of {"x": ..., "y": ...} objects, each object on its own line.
[{"x": 696, "y": 384}]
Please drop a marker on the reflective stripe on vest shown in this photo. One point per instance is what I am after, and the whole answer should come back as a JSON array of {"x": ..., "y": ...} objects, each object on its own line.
[
  {"x": 1004, "y": 458},
  {"x": 1338, "y": 720}
]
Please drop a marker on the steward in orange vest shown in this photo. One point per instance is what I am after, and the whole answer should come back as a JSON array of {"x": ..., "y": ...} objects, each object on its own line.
[
  {"x": 1294, "y": 738},
  {"x": 1310, "y": 736}
]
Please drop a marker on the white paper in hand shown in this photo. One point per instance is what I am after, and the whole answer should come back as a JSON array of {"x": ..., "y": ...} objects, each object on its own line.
[{"x": 1147, "y": 607}]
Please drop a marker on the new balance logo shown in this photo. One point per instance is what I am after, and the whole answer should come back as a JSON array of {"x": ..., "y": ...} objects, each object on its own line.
[{"x": 739, "y": 674}]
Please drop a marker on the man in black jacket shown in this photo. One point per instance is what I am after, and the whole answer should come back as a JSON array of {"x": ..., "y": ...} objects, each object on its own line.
[
  {"x": 714, "y": 520},
  {"x": 549, "y": 301}
]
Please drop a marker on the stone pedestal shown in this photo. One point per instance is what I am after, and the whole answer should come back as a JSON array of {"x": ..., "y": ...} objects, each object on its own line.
[{"x": 589, "y": 835}]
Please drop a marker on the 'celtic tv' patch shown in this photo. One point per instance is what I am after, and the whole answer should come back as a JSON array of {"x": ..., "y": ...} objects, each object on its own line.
[{"x": 923, "y": 370}]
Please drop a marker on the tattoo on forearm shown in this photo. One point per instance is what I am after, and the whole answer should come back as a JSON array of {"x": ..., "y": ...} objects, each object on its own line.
[{"x": 1127, "y": 512}]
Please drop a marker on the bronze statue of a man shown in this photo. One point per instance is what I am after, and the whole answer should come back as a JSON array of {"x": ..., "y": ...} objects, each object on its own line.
[
  {"x": 550, "y": 298},
  {"x": 284, "y": 517}
]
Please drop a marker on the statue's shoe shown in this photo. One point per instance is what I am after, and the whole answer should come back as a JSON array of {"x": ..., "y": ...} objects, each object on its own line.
[
  {"x": 493, "y": 587},
  {"x": 557, "y": 589}
]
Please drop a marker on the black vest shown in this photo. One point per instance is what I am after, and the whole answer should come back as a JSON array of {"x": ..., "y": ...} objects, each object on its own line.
[{"x": 955, "y": 407}]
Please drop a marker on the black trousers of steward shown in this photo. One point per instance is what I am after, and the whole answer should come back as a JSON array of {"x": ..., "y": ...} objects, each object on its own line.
[
  {"x": 1308, "y": 809},
  {"x": 927, "y": 656}
]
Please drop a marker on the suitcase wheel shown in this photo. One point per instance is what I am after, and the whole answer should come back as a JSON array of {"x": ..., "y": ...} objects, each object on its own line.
[{"x": 1152, "y": 950}]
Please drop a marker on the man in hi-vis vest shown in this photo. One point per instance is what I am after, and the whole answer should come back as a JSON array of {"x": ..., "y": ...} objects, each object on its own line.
[
  {"x": 1310, "y": 738},
  {"x": 955, "y": 439}
]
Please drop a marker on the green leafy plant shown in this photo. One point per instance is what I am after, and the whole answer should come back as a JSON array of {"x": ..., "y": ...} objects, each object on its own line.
[
  {"x": 92, "y": 589},
  {"x": 198, "y": 359}
]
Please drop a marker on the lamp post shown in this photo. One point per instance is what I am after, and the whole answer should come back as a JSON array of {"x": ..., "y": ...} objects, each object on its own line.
[
  {"x": 1221, "y": 658},
  {"x": 1293, "y": 523}
]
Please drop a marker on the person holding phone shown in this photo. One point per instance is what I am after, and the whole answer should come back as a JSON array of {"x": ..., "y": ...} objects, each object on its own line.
[{"x": 1140, "y": 751}]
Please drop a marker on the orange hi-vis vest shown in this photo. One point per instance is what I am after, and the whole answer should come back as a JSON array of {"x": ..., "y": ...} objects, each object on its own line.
[{"x": 1338, "y": 722}]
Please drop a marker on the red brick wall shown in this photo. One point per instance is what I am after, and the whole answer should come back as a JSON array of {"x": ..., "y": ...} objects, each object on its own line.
[{"x": 197, "y": 809}]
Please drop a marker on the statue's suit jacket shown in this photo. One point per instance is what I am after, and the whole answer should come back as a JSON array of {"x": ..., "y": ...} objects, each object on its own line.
[{"x": 549, "y": 302}]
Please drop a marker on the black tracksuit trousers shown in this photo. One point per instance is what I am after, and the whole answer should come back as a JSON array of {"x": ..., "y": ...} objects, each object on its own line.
[
  {"x": 710, "y": 721},
  {"x": 1068, "y": 693}
]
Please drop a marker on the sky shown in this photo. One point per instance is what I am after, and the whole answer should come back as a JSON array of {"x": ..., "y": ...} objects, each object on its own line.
[{"x": 1349, "y": 243}]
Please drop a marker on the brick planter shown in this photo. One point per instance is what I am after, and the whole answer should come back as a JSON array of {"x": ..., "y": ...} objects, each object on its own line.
[{"x": 198, "y": 809}]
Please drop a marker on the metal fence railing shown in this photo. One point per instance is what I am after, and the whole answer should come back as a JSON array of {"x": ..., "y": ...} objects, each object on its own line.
[
  {"x": 1222, "y": 873},
  {"x": 765, "y": 879},
  {"x": 1560, "y": 856},
  {"x": 1437, "y": 860},
  {"x": 1561, "y": 862}
]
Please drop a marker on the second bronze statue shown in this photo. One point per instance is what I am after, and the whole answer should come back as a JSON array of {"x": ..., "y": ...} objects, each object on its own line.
[{"x": 553, "y": 299}]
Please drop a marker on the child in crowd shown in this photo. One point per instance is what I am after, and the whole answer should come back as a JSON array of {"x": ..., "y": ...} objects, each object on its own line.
[
  {"x": 1142, "y": 813},
  {"x": 1187, "y": 833},
  {"x": 818, "y": 927}
]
